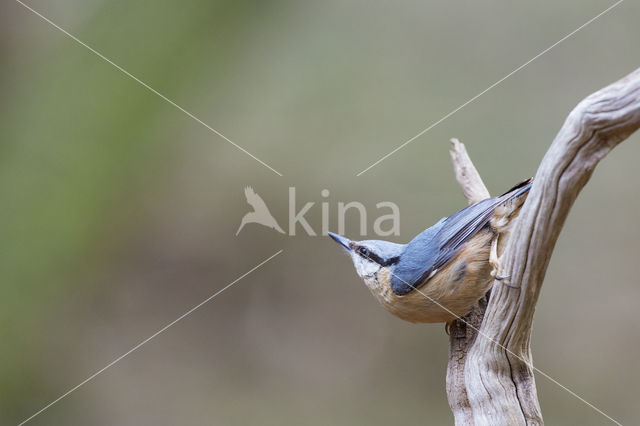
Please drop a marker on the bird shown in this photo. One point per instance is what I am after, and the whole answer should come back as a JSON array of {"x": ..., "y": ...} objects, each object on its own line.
[
  {"x": 441, "y": 273},
  {"x": 260, "y": 213}
]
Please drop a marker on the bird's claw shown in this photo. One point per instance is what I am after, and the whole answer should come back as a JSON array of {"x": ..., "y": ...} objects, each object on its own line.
[
  {"x": 493, "y": 259},
  {"x": 504, "y": 279},
  {"x": 496, "y": 266}
]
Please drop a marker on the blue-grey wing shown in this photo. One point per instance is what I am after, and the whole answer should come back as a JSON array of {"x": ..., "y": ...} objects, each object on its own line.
[
  {"x": 436, "y": 246},
  {"x": 461, "y": 226},
  {"x": 416, "y": 260}
]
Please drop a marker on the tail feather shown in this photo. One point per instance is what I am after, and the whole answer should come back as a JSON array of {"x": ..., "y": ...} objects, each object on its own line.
[{"x": 523, "y": 186}]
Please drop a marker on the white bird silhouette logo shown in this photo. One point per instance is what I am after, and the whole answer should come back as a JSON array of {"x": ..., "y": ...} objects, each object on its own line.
[{"x": 260, "y": 213}]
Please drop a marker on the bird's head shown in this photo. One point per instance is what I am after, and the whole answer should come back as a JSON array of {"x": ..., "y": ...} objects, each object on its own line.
[{"x": 370, "y": 258}]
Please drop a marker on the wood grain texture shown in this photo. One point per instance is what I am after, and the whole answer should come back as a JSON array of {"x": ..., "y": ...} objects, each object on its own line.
[
  {"x": 490, "y": 378},
  {"x": 463, "y": 332},
  {"x": 467, "y": 176}
]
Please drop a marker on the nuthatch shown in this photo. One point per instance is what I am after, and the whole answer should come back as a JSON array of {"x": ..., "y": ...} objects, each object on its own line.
[{"x": 440, "y": 274}]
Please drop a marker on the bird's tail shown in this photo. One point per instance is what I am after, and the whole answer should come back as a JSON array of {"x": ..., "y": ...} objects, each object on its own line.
[
  {"x": 521, "y": 188},
  {"x": 512, "y": 202}
]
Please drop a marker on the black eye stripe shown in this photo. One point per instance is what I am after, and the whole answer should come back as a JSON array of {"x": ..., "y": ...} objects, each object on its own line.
[
  {"x": 391, "y": 261},
  {"x": 368, "y": 254}
]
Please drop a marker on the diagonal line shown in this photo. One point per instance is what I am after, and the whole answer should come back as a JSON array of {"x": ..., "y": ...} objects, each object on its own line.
[
  {"x": 136, "y": 347},
  {"x": 529, "y": 364},
  {"x": 434, "y": 124},
  {"x": 146, "y": 86}
]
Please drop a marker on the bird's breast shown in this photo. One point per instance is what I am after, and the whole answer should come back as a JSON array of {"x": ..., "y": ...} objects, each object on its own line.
[{"x": 450, "y": 293}]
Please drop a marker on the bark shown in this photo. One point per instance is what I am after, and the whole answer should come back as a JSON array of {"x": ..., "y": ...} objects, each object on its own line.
[{"x": 490, "y": 378}]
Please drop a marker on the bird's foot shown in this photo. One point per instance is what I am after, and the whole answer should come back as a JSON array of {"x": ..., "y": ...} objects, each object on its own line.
[
  {"x": 494, "y": 261},
  {"x": 504, "y": 279},
  {"x": 497, "y": 271}
]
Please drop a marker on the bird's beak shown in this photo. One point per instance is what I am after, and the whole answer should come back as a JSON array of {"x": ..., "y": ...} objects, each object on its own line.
[{"x": 344, "y": 242}]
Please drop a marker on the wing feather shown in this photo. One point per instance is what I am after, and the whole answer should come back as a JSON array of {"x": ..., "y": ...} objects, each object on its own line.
[
  {"x": 254, "y": 200},
  {"x": 436, "y": 246}
]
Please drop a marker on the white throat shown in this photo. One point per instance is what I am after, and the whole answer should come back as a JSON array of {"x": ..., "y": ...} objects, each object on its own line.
[{"x": 368, "y": 271}]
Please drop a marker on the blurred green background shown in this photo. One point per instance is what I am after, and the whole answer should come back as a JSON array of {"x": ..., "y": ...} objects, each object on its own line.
[{"x": 118, "y": 212}]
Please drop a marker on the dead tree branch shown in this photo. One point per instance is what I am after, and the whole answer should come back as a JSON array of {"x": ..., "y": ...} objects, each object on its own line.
[
  {"x": 467, "y": 176},
  {"x": 490, "y": 378}
]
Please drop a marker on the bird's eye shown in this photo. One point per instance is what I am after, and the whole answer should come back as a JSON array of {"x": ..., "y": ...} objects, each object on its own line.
[{"x": 363, "y": 251}]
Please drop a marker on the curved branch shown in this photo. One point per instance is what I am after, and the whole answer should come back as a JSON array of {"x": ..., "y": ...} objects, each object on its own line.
[{"x": 498, "y": 380}]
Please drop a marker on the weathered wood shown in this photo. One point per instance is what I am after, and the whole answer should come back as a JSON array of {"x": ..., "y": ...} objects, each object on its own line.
[
  {"x": 463, "y": 332},
  {"x": 468, "y": 178},
  {"x": 490, "y": 378}
]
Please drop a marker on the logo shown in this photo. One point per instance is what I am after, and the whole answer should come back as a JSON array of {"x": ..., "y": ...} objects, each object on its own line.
[
  {"x": 260, "y": 213},
  {"x": 383, "y": 226}
]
